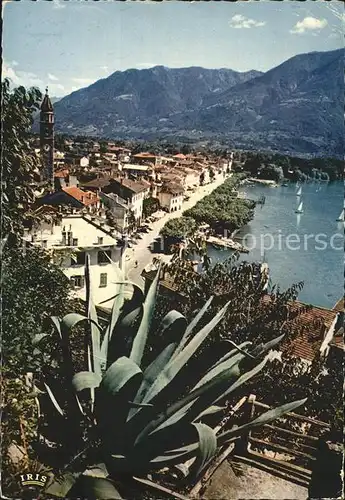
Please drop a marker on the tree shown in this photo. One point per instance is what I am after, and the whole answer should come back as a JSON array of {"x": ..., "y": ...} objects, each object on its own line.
[
  {"x": 20, "y": 166},
  {"x": 179, "y": 229},
  {"x": 150, "y": 206},
  {"x": 32, "y": 290}
]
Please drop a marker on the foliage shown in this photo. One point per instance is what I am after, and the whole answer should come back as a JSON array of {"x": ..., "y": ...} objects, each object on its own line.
[
  {"x": 130, "y": 416},
  {"x": 150, "y": 206},
  {"x": 222, "y": 209},
  {"x": 32, "y": 290},
  {"x": 271, "y": 172},
  {"x": 20, "y": 166},
  {"x": 179, "y": 228},
  {"x": 18, "y": 426},
  {"x": 322, "y": 382}
]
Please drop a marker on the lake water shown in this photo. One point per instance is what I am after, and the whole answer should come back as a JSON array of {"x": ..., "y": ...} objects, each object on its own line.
[{"x": 305, "y": 247}]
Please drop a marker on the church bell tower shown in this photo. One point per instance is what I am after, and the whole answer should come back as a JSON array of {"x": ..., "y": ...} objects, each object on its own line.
[{"x": 47, "y": 139}]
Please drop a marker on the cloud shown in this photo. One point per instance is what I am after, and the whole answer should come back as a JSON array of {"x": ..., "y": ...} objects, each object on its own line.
[
  {"x": 18, "y": 77},
  {"x": 52, "y": 77},
  {"x": 58, "y": 4},
  {"x": 238, "y": 21},
  {"x": 14, "y": 63},
  {"x": 309, "y": 24},
  {"x": 83, "y": 81},
  {"x": 104, "y": 68}
]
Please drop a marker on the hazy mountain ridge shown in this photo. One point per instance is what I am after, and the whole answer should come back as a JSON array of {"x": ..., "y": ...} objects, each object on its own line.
[{"x": 297, "y": 105}]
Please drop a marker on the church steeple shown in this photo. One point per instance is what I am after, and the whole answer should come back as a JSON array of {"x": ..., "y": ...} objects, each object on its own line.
[
  {"x": 47, "y": 139},
  {"x": 46, "y": 103}
]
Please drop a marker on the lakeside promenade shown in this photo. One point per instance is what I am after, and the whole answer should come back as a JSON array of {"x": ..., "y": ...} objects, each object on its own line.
[{"x": 142, "y": 253}]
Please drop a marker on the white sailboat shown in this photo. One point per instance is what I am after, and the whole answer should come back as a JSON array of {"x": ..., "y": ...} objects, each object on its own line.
[
  {"x": 299, "y": 191},
  {"x": 299, "y": 209},
  {"x": 341, "y": 217}
]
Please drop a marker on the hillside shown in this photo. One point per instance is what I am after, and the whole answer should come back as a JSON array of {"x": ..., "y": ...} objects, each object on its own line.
[
  {"x": 141, "y": 99},
  {"x": 296, "y": 107}
]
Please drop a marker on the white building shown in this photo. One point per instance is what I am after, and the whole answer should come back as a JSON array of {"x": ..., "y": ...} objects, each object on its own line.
[
  {"x": 70, "y": 240},
  {"x": 171, "y": 197}
]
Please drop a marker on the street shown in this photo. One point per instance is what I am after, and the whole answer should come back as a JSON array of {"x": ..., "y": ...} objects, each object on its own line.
[{"x": 142, "y": 253}]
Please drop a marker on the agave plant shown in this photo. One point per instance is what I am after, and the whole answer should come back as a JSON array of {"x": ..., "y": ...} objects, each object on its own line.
[{"x": 122, "y": 417}]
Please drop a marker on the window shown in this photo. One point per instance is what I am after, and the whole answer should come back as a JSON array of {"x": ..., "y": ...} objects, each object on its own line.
[
  {"x": 78, "y": 259},
  {"x": 103, "y": 256},
  {"x": 75, "y": 242},
  {"x": 100, "y": 240},
  {"x": 103, "y": 280},
  {"x": 77, "y": 282}
]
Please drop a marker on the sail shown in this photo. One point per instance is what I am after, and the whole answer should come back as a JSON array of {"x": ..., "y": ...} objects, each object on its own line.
[
  {"x": 300, "y": 207},
  {"x": 299, "y": 192},
  {"x": 341, "y": 216}
]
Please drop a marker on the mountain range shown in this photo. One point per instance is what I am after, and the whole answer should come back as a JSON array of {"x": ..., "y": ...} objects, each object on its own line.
[{"x": 296, "y": 107}]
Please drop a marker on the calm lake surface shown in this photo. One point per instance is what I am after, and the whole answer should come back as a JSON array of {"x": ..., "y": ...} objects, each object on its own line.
[{"x": 308, "y": 247}]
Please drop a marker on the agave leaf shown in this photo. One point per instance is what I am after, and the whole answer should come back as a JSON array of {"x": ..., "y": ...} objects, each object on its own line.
[
  {"x": 139, "y": 341},
  {"x": 151, "y": 373},
  {"x": 95, "y": 488},
  {"x": 173, "y": 459},
  {"x": 244, "y": 378},
  {"x": 115, "y": 313},
  {"x": 57, "y": 323},
  {"x": 209, "y": 411},
  {"x": 180, "y": 360},
  {"x": 53, "y": 399},
  {"x": 262, "y": 348},
  {"x": 175, "y": 417},
  {"x": 173, "y": 324},
  {"x": 207, "y": 448},
  {"x": 119, "y": 374},
  {"x": 265, "y": 418},
  {"x": 232, "y": 352},
  {"x": 124, "y": 328},
  {"x": 92, "y": 316},
  {"x": 219, "y": 368},
  {"x": 38, "y": 337},
  {"x": 61, "y": 485},
  {"x": 208, "y": 389},
  {"x": 85, "y": 380},
  {"x": 193, "y": 324}
]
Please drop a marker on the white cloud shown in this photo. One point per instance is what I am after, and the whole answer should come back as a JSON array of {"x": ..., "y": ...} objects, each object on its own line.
[
  {"x": 14, "y": 63},
  {"x": 104, "y": 68},
  {"x": 309, "y": 24},
  {"x": 58, "y": 4},
  {"x": 146, "y": 65},
  {"x": 18, "y": 77},
  {"x": 83, "y": 81},
  {"x": 238, "y": 21},
  {"x": 52, "y": 77}
]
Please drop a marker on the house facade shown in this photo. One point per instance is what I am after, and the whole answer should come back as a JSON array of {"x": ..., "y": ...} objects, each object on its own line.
[
  {"x": 171, "y": 196},
  {"x": 70, "y": 239}
]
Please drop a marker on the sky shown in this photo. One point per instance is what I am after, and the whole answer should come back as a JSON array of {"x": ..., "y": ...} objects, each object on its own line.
[{"x": 69, "y": 44}]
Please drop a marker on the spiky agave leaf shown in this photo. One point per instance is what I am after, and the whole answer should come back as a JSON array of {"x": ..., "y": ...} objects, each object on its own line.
[
  {"x": 206, "y": 450},
  {"x": 179, "y": 361},
  {"x": 140, "y": 339},
  {"x": 265, "y": 418}
]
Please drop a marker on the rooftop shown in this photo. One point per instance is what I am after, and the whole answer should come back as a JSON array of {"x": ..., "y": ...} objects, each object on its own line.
[{"x": 85, "y": 197}]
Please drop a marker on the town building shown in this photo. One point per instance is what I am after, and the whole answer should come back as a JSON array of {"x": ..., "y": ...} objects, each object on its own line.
[
  {"x": 70, "y": 238},
  {"x": 170, "y": 196},
  {"x": 72, "y": 196}
]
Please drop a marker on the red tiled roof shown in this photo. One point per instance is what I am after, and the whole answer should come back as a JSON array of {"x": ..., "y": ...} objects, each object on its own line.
[
  {"x": 84, "y": 197},
  {"x": 61, "y": 174},
  {"x": 313, "y": 323},
  {"x": 144, "y": 155}
]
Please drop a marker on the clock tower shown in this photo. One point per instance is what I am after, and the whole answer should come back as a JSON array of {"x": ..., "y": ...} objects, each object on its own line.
[{"x": 47, "y": 139}]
